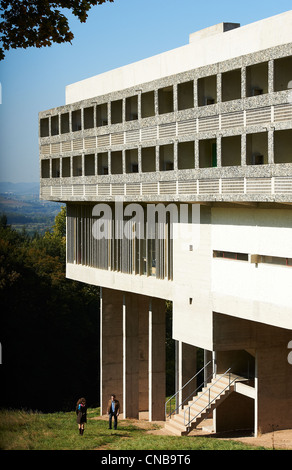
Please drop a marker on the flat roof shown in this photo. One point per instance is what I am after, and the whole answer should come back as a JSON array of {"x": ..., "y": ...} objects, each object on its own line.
[{"x": 208, "y": 46}]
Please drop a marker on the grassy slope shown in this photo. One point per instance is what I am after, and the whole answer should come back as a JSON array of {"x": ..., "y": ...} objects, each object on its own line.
[{"x": 20, "y": 430}]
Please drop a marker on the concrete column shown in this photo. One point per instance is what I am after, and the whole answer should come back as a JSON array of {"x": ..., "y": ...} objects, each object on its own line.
[
  {"x": 132, "y": 351},
  {"x": 111, "y": 347},
  {"x": 156, "y": 368},
  {"x": 131, "y": 356}
]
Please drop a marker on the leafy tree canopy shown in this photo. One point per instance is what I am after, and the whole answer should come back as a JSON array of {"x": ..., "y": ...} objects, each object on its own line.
[{"x": 39, "y": 23}]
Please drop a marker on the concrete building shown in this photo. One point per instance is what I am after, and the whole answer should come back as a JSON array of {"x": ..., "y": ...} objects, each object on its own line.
[{"x": 177, "y": 175}]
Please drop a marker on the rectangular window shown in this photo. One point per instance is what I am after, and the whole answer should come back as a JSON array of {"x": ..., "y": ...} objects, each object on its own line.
[
  {"x": 102, "y": 159},
  {"x": 76, "y": 120},
  {"x": 44, "y": 127},
  {"x": 231, "y": 85},
  {"x": 148, "y": 159},
  {"x": 208, "y": 153},
  {"x": 207, "y": 90},
  {"x": 65, "y": 128},
  {"x": 77, "y": 165},
  {"x": 230, "y": 255},
  {"x": 54, "y": 125},
  {"x": 101, "y": 115},
  {"x": 257, "y": 79},
  {"x": 89, "y": 165},
  {"x": 88, "y": 118},
  {"x": 165, "y": 100},
  {"x": 66, "y": 170},
  {"x": 147, "y": 104},
  {"x": 166, "y": 157},
  {"x": 45, "y": 168},
  {"x": 116, "y": 111},
  {"x": 116, "y": 163},
  {"x": 283, "y": 73},
  {"x": 132, "y": 108},
  {"x": 257, "y": 148},
  {"x": 186, "y": 155},
  {"x": 56, "y": 168},
  {"x": 185, "y": 95}
]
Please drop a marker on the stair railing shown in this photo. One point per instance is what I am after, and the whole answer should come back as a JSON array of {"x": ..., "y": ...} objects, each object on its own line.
[
  {"x": 169, "y": 401},
  {"x": 208, "y": 391}
]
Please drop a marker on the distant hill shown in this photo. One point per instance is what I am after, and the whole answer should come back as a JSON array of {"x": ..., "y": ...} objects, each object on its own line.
[{"x": 19, "y": 188}]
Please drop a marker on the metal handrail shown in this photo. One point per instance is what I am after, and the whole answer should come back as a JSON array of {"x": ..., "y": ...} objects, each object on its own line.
[
  {"x": 210, "y": 401},
  {"x": 192, "y": 394}
]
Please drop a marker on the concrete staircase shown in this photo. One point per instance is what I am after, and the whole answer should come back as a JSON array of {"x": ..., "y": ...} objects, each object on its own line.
[{"x": 196, "y": 410}]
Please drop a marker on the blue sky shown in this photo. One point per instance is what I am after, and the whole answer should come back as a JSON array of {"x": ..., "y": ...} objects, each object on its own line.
[{"x": 114, "y": 35}]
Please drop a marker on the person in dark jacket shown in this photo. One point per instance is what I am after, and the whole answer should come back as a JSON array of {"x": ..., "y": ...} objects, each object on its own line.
[
  {"x": 113, "y": 410},
  {"x": 81, "y": 411}
]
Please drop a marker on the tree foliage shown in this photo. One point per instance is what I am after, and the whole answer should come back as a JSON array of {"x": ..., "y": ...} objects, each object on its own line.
[
  {"x": 39, "y": 23},
  {"x": 49, "y": 325}
]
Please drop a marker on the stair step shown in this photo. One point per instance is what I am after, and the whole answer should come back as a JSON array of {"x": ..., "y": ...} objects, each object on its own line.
[{"x": 201, "y": 406}]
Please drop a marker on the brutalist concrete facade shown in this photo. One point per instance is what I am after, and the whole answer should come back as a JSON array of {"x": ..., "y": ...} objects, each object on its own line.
[{"x": 216, "y": 138}]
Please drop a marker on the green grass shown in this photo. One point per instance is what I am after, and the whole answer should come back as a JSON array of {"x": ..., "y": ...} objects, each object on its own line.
[{"x": 21, "y": 430}]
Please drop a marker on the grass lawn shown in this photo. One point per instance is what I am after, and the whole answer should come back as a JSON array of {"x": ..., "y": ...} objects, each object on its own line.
[{"x": 21, "y": 430}]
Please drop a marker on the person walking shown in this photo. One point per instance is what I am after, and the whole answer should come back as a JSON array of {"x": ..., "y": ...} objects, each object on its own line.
[
  {"x": 81, "y": 411},
  {"x": 113, "y": 410}
]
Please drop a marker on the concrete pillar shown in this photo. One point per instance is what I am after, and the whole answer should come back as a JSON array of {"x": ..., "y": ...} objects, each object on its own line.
[
  {"x": 111, "y": 347},
  {"x": 132, "y": 347},
  {"x": 156, "y": 368}
]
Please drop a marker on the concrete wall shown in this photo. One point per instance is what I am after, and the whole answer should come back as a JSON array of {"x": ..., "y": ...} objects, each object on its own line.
[{"x": 258, "y": 292}]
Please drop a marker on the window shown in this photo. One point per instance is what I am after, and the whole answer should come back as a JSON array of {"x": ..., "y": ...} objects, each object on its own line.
[
  {"x": 231, "y": 151},
  {"x": 44, "y": 127},
  {"x": 147, "y": 104},
  {"x": 116, "y": 111},
  {"x": 101, "y": 115},
  {"x": 186, "y": 155},
  {"x": 66, "y": 170},
  {"x": 165, "y": 100},
  {"x": 132, "y": 108},
  {"x": 207, "y": 90},
  {"x": 166, "y": 157},
  {"x": 89, "y": 165},
  {"x": 77, "y": 165},
  {"x": 257, "y": 149},
  {"x": 102, "y": 159},
  {"x": 185, "y": 95},
  {"x": 56, "y": 168},
  {"x": 282, "y": 73},
  {"x": 283, "y": 146},
  {"x": 257, "y": 79},
  {"x": 231, "y": 85},
  {"x": 230, "y": 255},
  {"x": 54, "y": 125},
  {"x": 208, "y": 153},
  {"x": 132, "y": 161},
  {"x": 45, "y": 168},
  {"x": 116, "y": 163},
  {"x": 148, "y": 159},
  {"x": 65, "y": 123},
  {"x": 88, "y": 118},
  {"x": 76, "y": 120}
]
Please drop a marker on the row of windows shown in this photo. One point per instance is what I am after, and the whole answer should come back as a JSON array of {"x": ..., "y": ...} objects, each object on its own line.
[
  {"x": 118, "y": 162},
  {"x": 256, "y": 83},
  {"x": 276, "y": 260}
]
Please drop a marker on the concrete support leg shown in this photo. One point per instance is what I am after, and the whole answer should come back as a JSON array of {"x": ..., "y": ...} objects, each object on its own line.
[
  {"x": 133, "y": 353},
  {"x": 156, "y": 360},
  {"x": 111, "y": 347}
]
